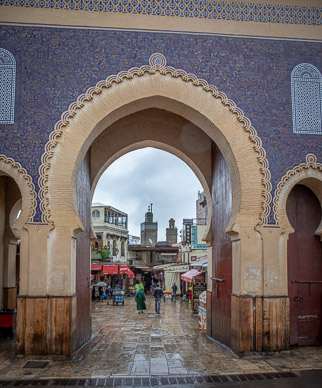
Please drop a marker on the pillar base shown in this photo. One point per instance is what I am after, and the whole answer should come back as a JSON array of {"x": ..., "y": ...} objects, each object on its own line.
[
  {"x": 259, "y": 324},
  {"x": 10, "y": 298},
  {"x": 46, "y": 325}
]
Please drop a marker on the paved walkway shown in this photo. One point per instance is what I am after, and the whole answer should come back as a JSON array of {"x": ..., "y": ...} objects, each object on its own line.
[{"x": 125, "y": 343}]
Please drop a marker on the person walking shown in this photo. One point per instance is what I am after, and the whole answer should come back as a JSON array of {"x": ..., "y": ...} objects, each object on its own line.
[
  {"x": 138, "y": 286},
  {"x": 174, "y": 292},
  {"x": 158, "y": 294},
  {"x": 140, "y": 301},
  {"x": 100, "y": 293},
  {"x": 108, "y": 293}
]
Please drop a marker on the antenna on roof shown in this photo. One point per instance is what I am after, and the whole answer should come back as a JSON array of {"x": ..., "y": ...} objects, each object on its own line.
[{"x": 151, "y": 207}]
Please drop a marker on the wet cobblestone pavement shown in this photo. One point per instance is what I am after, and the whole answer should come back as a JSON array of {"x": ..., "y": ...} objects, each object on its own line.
[{"x": 127, "y": 344}]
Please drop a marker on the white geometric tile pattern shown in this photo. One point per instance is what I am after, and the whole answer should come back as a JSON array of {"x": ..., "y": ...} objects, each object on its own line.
[
  {"x": 7, "y": 87},
  {"x": 306, "y": 82}
]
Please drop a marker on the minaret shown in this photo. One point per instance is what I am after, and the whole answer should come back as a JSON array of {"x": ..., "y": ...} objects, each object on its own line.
[
  {"x": 172, "y": 232},
  {"x": 149, "y": 229}
]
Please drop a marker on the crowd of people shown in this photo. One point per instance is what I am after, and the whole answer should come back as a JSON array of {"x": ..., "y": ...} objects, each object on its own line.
[
  {"x": 99, "y": 293},
  {"x": 156, "y": 292},
  {"x": 140, "y": 294}
]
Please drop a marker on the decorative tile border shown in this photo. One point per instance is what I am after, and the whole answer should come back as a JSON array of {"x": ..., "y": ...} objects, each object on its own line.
[
  {"x": 157, "y": 63},
  {"x": 204, "y": 9},
  {"x": 310, "y": 162}
]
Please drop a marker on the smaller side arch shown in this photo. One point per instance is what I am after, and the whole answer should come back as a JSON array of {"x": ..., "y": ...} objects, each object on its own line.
[
  {"x": 308, "y": 174},
  {"x": 26, "y": 186}
]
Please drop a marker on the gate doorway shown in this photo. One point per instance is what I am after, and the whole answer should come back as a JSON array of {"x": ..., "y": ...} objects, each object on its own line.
[{"x": 304, "y": 267}]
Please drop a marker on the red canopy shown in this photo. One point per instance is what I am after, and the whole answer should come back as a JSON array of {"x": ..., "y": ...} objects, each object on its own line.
[
  {"x": 124, "y": 269},
  {"x": 191, "y": 275},
  {"x": 96, "y": 267},
  {"x": 110, "y": 269},
  {"x": 92, "y": 276},
  {"x": 130, "y": 273}
]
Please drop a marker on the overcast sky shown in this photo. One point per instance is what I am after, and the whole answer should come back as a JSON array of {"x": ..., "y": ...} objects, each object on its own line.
[{"x": 147, "y": 176}]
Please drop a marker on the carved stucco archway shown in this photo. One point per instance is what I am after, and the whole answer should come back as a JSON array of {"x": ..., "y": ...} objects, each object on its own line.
[
  {"x": 159, "y": 129},
  {"x": 162, "y": 87},
  {"x": 308, "y": 173},
  {"x": 18, "y": 195},
  {"x": 27, "y": 188}
]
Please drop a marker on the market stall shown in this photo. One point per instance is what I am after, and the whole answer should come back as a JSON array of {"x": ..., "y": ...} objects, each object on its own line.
[
  {"x": 197, "y": 284},
  {"x": 172, "y": 275}
]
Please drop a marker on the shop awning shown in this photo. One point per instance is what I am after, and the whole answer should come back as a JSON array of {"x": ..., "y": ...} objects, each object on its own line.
[
  {"x": 110, "y": 269},
  {"x": 130, "y": 273},
  {"x": 96, "y": 267},
  {"x": 124, "y": 269},
  {"x": 191, "y": 275},
  {"x": 201, "y": 263}
]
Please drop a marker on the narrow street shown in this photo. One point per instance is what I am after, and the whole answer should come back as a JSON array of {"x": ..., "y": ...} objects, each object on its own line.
[{"x": 147, "y": 349}]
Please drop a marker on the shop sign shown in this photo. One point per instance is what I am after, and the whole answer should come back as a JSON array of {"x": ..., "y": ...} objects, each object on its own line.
[
  {"x": 110, "y": 269},
  {"x": 125, "y": 270},
  {"x": 187, "y": 222},
  {"x": 96, "y": 267},
  {"x": 183, "y": 268},
  {"x": 188, "y": 233},
  {"x": 198, "y": 289}
]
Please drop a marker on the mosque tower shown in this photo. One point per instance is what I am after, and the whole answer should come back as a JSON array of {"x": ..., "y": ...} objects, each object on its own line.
[
  {"x": 172, "y": 232},
  {"x": 149, "y": 229}
]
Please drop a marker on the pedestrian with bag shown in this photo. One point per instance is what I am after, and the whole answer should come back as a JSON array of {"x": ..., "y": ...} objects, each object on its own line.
[
  {"x": 158, "y": 294},
  {"x": 174, "y": 292},
  {"x": 100, "y": 293}
]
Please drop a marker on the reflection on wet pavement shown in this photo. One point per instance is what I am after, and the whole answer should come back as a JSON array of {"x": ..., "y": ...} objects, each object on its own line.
[{"x": 125, "y": 343}]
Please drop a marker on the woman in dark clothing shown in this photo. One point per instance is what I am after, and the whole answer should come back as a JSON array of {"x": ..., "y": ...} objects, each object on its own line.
[
  {"x": 140, "y": 301},
  {"x": 100, "y": 293}
]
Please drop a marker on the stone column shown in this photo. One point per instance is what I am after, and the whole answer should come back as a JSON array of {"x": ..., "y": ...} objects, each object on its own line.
[
  {"x": 259, "y": 310},
  {"x": 46, "y": 311},
  {"x": 9, "y": 273}
]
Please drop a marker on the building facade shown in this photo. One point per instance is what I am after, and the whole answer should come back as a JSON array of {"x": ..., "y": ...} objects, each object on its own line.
[
  {"x": 192, "y": 246},
  {"x": 231, "y": 88},
  {"x": 110, "y": 227}
]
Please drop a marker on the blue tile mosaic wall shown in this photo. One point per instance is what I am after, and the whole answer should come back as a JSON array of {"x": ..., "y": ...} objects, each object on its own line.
[
  {"x": 205, "y": 9},
  {"x": 54, "y": 66}
]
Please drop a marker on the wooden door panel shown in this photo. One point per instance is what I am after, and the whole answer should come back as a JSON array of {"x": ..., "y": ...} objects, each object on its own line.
[{"x": 304, "y": 268}]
